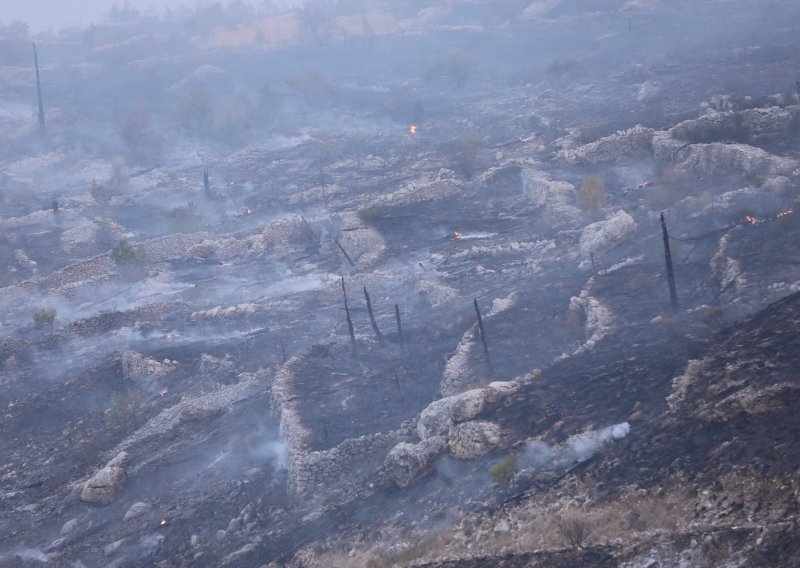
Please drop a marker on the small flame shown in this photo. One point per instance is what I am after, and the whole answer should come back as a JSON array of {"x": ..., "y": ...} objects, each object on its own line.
[
  {"x": 785, "y": 213},
  {"x": 113, "y": 226},
  {"x": 644, "y": 184},
  {"x": 163, "y": 523},
  {"x": 456, "y": 234},
  {"x": 248, "y": 211},
  {"x": 162, "y": 392},
  {"x": 412, "y": 129},
  {"x": 750, "y": 219}
]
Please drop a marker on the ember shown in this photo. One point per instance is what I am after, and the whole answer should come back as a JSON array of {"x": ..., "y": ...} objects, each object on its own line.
[
  {"x": 784, "y": 213},
  {"x": 113, "y": 226},
  {"x": 412, "y": 129},
  {"x": 163, "y": 523},
  {"x": 750, "y": 219},
  {"x": 248, "y": 211},
  {"x": 456, "y": 234},
  {"x": 644, "y": 184}
]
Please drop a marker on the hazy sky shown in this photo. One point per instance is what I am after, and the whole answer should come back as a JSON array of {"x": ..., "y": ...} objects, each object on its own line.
[{"x": 43, "y": 14}]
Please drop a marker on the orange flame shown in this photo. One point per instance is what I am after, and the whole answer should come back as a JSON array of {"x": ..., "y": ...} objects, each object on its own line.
[
  {"x": 412, "y": 129},
  {"x": 112, "y": 225},
  {"x": 456, "y": 234},
  {"x": 750, "y": 219},
  {"x": 163, "y": 523},
  {"x": 785, "y": 213}
]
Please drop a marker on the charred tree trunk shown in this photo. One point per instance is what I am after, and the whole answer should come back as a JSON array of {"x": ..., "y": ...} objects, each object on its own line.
[
  {"x": 673, "y": 295},
  {"x": 374, "y": 323},
  {"x": 283, "y": 351},
  {"x": 399, "y": 326},
  {"x": 344, "y": 252},
  {"x": 483, "y": 334},
  {"x": 349, "y": 319},
  {"x": 206, "y": 183},
  {"x": 42, "y": 124},
  {"x": 399, "y": 389}
]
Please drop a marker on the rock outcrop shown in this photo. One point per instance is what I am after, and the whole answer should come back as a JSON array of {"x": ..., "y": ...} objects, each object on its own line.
[{"x": 408, "y": 462}]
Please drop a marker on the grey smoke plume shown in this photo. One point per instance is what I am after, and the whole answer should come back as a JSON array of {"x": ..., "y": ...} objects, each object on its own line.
[
  {"x": 24, "y": 555},
  {"x": 577, "y": 448}
]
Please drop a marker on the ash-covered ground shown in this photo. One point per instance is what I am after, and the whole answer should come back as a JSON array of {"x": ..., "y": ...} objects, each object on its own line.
[{"x": 385, "y": 285}]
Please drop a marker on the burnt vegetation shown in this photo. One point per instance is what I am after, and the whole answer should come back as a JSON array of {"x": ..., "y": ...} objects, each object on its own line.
[{"x": 356, "y": 283}]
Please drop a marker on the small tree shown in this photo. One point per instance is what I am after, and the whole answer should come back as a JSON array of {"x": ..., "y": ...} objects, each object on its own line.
[
  {"x": 592, "y": 194},
  {"x": 186, "y": 219},
  {"x": 124, "y": 253},
  {"x": 573, "y": 528},
  {"x": 466, "y": 155},
  {"x": 44, "y": 317},
  {"x": 503, "y": 473},
  {"x": 101, "y": 194}
]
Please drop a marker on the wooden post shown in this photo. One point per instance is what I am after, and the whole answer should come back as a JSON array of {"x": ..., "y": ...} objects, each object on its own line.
[
  {"x": 372, "y": 318},
  {"x": 482, "y": 333},
  {"x": 349, "y": 320},
  {"x": 673, "y": 295},
  {"x": 39, "y": 89},
  {"x": 399, "y": 326}
]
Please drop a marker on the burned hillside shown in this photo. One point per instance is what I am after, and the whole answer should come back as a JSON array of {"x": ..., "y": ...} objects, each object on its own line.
[{"x": 387, "y": 286}]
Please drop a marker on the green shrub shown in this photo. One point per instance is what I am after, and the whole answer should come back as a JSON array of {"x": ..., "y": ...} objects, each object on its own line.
[
  {"x": 44, "y": 317},
  {"x": 503, "y": 473},
  {"x": 124, "y": 253},
  {"x": 101, "y": 194},
  {"x": 592, "y": 194},
  {"x": 185, "y": 219}
]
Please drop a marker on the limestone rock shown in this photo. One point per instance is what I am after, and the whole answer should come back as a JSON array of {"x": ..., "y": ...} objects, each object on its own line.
[
  {"x": 136, "y": 510},
  {"x": 144, "y": 370},
  {"x": 120, "y": 460},
  {"x": 217, "y": 368},
  {"x": 603, "y": 235},
  {"x": 557, "y": 196},
  {"x": 631, "y": 144},
  {"x": 104, "y": 486},
  {"x": 438, "y": 417},
  {"x": 472, "y": 439},
  {"x": 407, "y": 462},
  {"x": 69, "y": 527}
]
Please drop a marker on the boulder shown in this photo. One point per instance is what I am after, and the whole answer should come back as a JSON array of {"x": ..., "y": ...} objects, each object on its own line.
[
  {"x": 136, "y": 510},
  {"x": 407, "y": 462},
  {"x": 472, "y": 439},
  {"x": 104, "y": 486},
  {"x": 603, "y": 235},
  {"x": 144, "y": 370},
  {"x": 438, "y": 417}
]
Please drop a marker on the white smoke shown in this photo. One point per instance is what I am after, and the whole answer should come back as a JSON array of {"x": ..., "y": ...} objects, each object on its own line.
[
  {"x": 25, "y": 555},
  {"x": 577, "y": 448}
]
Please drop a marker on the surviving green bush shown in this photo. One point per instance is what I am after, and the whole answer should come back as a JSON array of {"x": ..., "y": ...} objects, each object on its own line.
[
  {"x": 503, "y": 473},
  {"x": 592, "y": 194},
  {"x": 124, "y": 253},
  {"x": 44, "y": 317}
]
